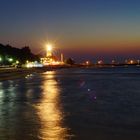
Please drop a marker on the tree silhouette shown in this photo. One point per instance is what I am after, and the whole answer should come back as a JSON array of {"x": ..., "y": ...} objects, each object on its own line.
[
  {"x": 70, "y": 61},
  {"x": 22, "y": 55}
]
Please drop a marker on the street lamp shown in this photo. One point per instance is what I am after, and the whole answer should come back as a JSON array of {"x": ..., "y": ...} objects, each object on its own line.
[
  {"x": 17, "y": 62},
  {"x": 10, "y": 59}
]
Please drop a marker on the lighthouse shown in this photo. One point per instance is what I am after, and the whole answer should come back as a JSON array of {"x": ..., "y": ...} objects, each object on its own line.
[{"x": 49, "y": 50}]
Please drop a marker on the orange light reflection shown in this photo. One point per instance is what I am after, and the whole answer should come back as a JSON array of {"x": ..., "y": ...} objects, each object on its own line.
[{"x": 50, "y": 112}]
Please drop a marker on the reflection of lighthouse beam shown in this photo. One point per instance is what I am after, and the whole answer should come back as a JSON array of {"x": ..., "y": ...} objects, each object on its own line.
[{"x": 50, "y": 111}]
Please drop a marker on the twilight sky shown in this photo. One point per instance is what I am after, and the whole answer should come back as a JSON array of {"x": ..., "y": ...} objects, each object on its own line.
[{"x": 93, "y": 29}]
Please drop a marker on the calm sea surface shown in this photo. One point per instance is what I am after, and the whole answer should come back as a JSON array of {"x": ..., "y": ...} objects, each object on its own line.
[{"x": 72, "y": 104}]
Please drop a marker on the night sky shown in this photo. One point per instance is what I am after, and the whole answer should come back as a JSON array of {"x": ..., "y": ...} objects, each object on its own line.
[{"x": 83, "y": 29}]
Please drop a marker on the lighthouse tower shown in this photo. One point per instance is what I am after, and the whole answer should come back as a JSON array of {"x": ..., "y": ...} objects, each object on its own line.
[{"x": 49, "y": 50}]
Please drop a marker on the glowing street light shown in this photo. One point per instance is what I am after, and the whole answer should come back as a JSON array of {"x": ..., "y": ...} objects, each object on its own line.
[
  {"x": 131, "y": 62},
  {"x": 10, "y": 59},
  {"x": 17, "y": 62},
  {"x": 87, "y": 62}
]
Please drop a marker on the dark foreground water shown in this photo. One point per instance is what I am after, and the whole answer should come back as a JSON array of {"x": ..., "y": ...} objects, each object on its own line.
[{"x": 75, "y": 104}]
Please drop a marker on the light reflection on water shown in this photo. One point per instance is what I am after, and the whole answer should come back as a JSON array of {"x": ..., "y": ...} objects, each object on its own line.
[
  {"x": 30, "y": 109},
  {"x": 75, "y": 104},
  {"x": 49, "y": 110}
]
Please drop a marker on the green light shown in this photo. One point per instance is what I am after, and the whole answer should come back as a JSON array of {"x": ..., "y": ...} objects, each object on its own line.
[
  {"x": 10, "y": 59},
  {"x": 0, "y": 59}
]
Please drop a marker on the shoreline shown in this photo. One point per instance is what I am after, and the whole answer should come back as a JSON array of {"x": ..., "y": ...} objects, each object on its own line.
[{"x": 15, "y": 73}]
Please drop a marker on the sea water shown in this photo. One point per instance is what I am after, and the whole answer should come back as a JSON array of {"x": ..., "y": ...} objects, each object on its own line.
[{"x": 72, "y": 104}]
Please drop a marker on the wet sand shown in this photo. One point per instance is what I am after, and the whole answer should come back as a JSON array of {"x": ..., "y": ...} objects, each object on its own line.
[{"x": 14, "y": 73}]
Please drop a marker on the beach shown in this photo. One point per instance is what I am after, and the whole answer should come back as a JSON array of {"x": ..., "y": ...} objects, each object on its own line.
[
  {"x": 11, "y": 73},
  {"x": 14, "y": 73}
]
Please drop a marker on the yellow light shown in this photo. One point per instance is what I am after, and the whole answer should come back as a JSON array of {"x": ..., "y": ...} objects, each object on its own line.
[
  {"x": 131, "y": 61},
  {"x": 49, "y": 47},
  {"x": 87, "y": 62},
  {"x": 17, "y": 62}
]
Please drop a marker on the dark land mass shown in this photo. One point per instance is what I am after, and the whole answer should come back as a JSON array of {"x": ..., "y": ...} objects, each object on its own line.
[{"x": 22, "y": 55}]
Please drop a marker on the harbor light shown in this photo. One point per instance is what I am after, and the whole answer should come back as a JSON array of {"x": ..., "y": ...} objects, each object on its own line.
[
  {"x": 138, "y": 62},
  {"x": 131, "y": 62},
  {"x": 87, "y": 62},
  {"x": 100, "y": 62}
]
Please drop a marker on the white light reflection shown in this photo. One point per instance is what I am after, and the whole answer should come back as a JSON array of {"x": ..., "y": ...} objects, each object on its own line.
[
  {"x": 50, "y": 112},
  {"x": 1, "y": 91},
  {"x": 7, "y": 91}
]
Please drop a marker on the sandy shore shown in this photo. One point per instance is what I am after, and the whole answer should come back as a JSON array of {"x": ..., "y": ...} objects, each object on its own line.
[{"x": 14, "y": 73}]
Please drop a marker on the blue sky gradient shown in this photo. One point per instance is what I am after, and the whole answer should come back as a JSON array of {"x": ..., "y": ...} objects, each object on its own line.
[{"x": 91, "y": 28}]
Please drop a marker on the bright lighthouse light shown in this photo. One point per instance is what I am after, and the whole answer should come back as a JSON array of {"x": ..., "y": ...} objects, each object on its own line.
[
  {"x": 49, "y": 47},
  {"x": 49, "y": 50}
]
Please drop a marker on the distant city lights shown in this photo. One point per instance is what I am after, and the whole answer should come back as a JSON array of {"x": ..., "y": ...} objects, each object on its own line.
[
  {"x": 52, "y": 58},
  {"x": 100, "y": 62},
  {"x": 33, "y": 64}
]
